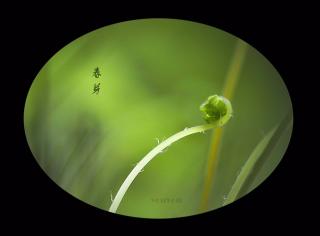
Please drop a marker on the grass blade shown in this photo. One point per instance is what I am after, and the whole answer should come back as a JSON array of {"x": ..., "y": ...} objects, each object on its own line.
[
  {"x": 256, "y": 160},
  {"x": 248, "y": 166}
]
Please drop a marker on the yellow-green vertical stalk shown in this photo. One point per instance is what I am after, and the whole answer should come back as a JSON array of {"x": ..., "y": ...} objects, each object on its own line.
[{"x": 228, "y": 91}]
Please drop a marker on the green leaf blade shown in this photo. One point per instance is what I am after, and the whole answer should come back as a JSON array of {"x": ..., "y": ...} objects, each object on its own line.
[
  {"x": 256, "y": 160},
  {"x": 249, "y": 165}
]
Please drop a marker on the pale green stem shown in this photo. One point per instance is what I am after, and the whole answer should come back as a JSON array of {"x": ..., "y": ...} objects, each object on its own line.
[{"x": 145, "y": 160}]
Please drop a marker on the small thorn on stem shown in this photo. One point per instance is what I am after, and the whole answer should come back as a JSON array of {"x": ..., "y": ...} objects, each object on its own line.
[{"x": 111, "y": 197}]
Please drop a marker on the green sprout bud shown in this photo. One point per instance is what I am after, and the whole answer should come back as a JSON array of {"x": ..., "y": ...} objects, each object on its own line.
[{"x": 216, "y": 110}]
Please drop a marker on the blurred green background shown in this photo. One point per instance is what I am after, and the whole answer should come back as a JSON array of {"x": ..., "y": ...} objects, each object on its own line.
[{"x": 154, "y": 75}]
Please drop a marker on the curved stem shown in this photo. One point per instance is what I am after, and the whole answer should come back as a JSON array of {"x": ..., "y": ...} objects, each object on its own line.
[{"x": 145, "y": 160}]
